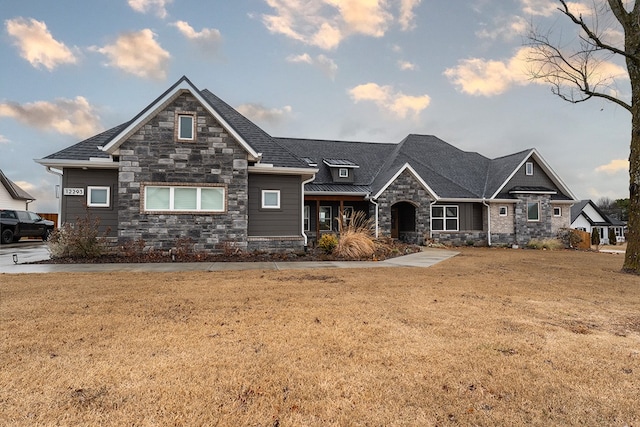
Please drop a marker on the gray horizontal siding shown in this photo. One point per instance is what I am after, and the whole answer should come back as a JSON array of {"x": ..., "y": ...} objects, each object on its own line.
[
  {"x": 286, "y": 221},
  {"x": 74, "y": 207}
]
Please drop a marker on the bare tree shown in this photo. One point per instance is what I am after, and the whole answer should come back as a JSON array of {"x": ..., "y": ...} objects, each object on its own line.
[{"x": 584, "y": 70}]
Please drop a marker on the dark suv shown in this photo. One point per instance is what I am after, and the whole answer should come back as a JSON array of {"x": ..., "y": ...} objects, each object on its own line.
[{"x": 18, "y": 224}]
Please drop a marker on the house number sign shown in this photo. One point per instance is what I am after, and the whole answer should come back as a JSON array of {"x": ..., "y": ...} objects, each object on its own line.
[{"x": 73, "y": 192}]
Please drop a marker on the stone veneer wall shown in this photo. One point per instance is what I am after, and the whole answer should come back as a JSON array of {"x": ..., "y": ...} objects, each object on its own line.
[
  {"x": 526, "y": 230},
  {"x": 152, "y": 155},
  {"x": 405, "y": 189},
  {"x": 563, "y": 221}
]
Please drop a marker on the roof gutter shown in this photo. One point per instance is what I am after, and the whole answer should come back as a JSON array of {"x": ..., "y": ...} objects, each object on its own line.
[{"x": 50, "y": 170}]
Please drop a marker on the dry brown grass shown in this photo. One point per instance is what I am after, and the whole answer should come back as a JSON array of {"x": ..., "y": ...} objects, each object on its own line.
[{"x": 491, "y": 337}]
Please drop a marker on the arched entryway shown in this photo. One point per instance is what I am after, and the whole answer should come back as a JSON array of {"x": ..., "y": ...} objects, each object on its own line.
[{"x": 403, "y": 221}]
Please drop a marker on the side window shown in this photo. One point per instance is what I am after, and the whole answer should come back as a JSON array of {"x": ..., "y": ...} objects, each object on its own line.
[
  {"x": 34, "y": 216},
  {"x": 271, "y": 199},
  {"x": 98, "y": 197},
  {"x": 185, "y": 127},
  {"x": 503, "y": 211},
  {"x": 23, "y": 216}
]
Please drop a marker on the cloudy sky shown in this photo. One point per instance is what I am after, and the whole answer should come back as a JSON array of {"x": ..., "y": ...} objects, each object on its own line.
[{"x": 364, "y": 70}]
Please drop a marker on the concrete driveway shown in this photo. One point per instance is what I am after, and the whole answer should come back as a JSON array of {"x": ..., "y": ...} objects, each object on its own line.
[{"x": 23, "y": 252}]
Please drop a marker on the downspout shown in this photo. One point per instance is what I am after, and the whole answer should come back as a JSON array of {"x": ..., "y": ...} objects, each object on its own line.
[
  {"x": 376, "y": 215},
  {"x": 304, "y": 235},
  {"x": 55, "y": 172},
  {"x": 488, "y": 221}
]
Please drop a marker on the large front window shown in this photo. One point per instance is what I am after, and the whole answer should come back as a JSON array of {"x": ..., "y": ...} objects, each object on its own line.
[
  {"x": 444, "y": 218},
  {"x": 183, "y": 199}
]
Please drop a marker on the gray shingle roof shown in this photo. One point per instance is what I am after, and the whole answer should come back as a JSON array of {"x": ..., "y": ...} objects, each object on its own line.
[
  {"x": 273, "y": 153},
  {"x": 83, "y": 150}
]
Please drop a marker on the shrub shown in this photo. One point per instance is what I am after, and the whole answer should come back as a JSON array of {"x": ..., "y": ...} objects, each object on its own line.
[
  {"x": 78, "y": 240},
  {"x": 612, "y": 236},
  {"x": 354, "y": 245},
  {"x": 355, "y": 237},
  {"x": 327, "y": 243},
  {"x": 551, "y": 244},
  {"x": 595, "y": 237},
  {"x": 570, "y": 237}
]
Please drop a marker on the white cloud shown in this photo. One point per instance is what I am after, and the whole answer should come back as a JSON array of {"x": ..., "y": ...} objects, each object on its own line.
[
  {"x": 300, "y": 58},
  {"x": 67, "y": 116},
  {"x": 322, "y": 62},
  {"x": 407, "y": 66},
  {"x": 146, "y": 6},
  {"x": 208, "y": 39},
  {"x": 37, "y": 45},
  {"x": 407, "y": 16},
  {"x": 325, "y": 24},
  {"x": 137, "y": 53},
  {"x": 614, "y": 166},
  {"x": 505, "y": 28},
  {"x": 476, "y": 76},
  {"x": 386, "y": 98},
  {"x": 549, "y": 7},
  {"x": 4, "y": 139},
  {"x": 259, "y": 112}
]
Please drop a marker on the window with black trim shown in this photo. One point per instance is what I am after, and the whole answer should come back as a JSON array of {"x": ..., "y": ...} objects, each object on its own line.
[
  {"x": 503, "y": 211},
  {"x": 444, "y": 218},
  {"x": 98, "y": 196},
  {"x": 325, "y": 220},
  {"x": 270, "y": 199},
  {"x": 307, "y": 222},
  {"x": 533, "y": 211},
  {"x": 186, "y": 129},
  {"x": 165, "y": 198},
  {"x": 343, "y": 173},
  {"x": 557, "y": 211}
]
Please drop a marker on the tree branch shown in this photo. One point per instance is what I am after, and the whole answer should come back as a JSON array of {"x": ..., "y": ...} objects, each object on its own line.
[{"x": 624, "y": 16}]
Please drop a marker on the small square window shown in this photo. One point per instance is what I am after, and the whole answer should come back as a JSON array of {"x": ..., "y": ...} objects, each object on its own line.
[
  {"x": 557, "y": 211},
  {"x": 343, "y": 173},
  {"x": 186, "y": 128},
  {"x": 503, "y": 211},
  {"x": 271, "y": 199},
  {"x": 529, "y": 168},
  {"x": 98, "y": 197}
]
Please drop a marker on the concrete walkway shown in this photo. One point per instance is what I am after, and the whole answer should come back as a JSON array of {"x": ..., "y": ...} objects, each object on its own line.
[{"x": 30, "y": 252}]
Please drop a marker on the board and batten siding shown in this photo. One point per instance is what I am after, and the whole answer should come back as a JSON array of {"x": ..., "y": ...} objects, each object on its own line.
[
  {"x": 285, "y": 221},
  {"x": 538, "y": 179},
  {"x": 74, "y": 207}
]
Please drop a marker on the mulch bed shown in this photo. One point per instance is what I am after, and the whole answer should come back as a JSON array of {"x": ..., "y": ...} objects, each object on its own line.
[{"x": 386, "y": 251}]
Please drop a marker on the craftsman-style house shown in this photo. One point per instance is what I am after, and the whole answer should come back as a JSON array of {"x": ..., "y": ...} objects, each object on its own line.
[{"x": 191, "y": 166}]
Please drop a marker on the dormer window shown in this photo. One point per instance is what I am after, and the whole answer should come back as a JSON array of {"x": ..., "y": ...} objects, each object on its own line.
[
  {"x": 342, "y": 170},
  {"x": 528, "y": 168},
  {"x": 185, "y": 127}
]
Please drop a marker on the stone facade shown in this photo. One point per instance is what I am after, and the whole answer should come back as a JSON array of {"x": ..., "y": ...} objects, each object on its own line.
[
  {"x": 405, "y": 188},
  {"x": 526, "y": 230},
  {"x": 153, "y": 155},
  {"x": 276, "y": 244}
]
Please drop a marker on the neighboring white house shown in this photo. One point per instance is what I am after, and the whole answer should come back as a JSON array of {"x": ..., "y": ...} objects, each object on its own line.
[
  {"x": 12, "y": 196},
  {"x": 586, "y": 216}
]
